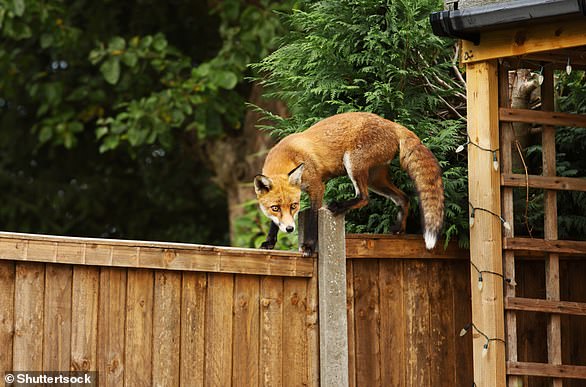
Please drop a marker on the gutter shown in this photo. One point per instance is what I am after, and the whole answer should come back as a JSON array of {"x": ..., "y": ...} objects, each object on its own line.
[{"x": 468, "y": 23}]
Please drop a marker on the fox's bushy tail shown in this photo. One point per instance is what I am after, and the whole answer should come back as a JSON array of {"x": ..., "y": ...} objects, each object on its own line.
[{"x": 424, "y": 170}]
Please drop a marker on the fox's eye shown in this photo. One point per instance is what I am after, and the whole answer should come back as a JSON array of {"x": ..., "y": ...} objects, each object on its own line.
[
  {"x": 294, "y": 206},
  {"x": 276, "y": 208}
]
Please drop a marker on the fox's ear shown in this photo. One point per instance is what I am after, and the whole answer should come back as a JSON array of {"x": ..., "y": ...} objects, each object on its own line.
[
  {"x": 295, "y": 175},
  {"x": 262, "y": 184}
]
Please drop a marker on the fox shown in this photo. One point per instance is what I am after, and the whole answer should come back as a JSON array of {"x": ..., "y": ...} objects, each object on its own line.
[{"x": 360, "y": 145}]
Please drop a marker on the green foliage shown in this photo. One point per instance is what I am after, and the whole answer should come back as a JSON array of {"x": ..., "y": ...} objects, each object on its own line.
[
  {"x": 381, "y": 57},
  {"x": 119, "y": 98}
]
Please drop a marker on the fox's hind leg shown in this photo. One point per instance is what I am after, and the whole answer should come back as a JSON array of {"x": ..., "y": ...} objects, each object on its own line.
[
  {"x": 380, "y": 182},
  {"x": 359, "y": 177}
]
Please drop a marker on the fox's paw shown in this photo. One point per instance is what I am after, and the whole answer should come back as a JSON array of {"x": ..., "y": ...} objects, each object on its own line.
[
  {"x": 268, "y": 245},
  {"x": 337, "y": 208},
  {"x": 307, "y": 249}
]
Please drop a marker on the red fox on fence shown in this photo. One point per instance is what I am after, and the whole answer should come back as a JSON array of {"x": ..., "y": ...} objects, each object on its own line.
[{"x": 360, "y": 145}]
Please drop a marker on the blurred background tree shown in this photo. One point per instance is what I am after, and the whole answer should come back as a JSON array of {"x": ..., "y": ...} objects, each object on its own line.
[{"x": 128, "y": 119}]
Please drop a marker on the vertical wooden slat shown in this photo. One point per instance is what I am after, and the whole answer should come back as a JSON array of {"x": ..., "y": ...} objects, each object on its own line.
[
  {"x": 218, "y": 330},
  {"x": 392, "y": 323},
  {"x": 312, "y": 330},
  {"x": 7, "y": 280},
  {"x": 417, "y": 321},
  {"x": 28, "y": 317},
  {"x": 351, "y": 323},
  {"x": 246, "y": 331},
  {"x": 166, "y": 328},
  {"x": 271, "y": 327},
  {"x": 550, "y": 226},
  {"x": 442, "y": 349},
  {"x": 111, "y": 319},
  {"x": 462, "y": 308},
  {"x": 294, "y": 337},
  {"x": 57, "y": 320},
  {"x": 506, "y": 164},
  {"x": 84, "y": 318},
  {"x": 139, "y": 328},
  {"x": 367, "y": 316},
  {"x": 193, "y": 309},
  {"x": 485, "y": 234}
]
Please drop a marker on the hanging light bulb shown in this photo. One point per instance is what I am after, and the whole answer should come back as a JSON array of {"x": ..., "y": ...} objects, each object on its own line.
[
  {"x": 540, "y": 76},
  {"x": 485, "y": 349},
  {"x": 460, "y": 148},
  {"x": 507, "y": 225},
  {"x": 568, "y": 67},
  {"x": 511, "y": 281},
  {"x": 465, "y": 330},
  {"x": 495, "y": 162},
  {"x": 471, "y": 219},
  {"x": 480, "y": 281}
]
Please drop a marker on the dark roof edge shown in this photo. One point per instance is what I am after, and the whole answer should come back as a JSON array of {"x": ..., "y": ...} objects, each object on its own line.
[{"x": 467, "y": 23}]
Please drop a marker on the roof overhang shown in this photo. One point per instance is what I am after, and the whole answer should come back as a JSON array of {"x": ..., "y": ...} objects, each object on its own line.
[{"x": 469, "y": 23}]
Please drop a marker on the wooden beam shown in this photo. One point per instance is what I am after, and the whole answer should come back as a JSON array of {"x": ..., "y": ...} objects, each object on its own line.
[
  {"x": 542, "y": 117},
  {"x": 485, "y": 234},
  {"x": 399, "y": 247},
  {"x": 545, "y": 306},
  {"x": 536, "y": 37},
  {"x": 545, "y": 246},
  {"x": 544, "y": 182},
  {"x": 152, "y": 255},
  {"x": 546, "y": 370}
]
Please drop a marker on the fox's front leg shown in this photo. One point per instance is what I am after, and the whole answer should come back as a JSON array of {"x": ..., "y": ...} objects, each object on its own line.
[
  {"x": 315, "y": 190},
  {"x": 271, "y": 240}
]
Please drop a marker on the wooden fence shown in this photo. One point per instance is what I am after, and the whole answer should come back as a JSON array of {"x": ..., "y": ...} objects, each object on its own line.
[{"x": 143, "y": 313}]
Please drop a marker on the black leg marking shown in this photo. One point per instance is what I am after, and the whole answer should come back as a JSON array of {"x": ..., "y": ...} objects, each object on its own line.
[
  {"x": 271, "y": 240},
  {"x": 310, "y": 234}
]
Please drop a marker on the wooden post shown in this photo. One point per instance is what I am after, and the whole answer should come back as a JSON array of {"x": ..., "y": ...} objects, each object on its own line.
[
  {"x": 485, "y": 233},
  {"x": 333, "y": 324},
  {"x": 552, "y": 265}
]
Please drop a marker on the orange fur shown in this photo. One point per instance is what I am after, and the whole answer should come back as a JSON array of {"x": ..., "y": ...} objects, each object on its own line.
[{"x": 360, "y": 145}]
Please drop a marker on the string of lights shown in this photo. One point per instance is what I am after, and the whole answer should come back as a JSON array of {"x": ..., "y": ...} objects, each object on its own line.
[
  {"x": 473, "y": 210},
  {"x": 495, "y": 162},
  {"x": 510, "y": 281},
  {"x": 486, "y": 345}
]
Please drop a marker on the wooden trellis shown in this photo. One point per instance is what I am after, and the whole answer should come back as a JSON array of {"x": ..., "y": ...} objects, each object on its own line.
[{"x": 543, "y": 46}]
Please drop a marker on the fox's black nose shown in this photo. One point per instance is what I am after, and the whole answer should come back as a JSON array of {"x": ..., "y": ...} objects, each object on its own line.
[{"x": 290, "y": 228}]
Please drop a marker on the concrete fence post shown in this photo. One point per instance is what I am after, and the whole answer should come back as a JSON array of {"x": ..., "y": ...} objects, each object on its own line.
[{"x": 333, "y": 324}]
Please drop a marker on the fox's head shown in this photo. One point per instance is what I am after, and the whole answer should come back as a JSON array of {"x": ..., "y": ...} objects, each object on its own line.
[{"x": 278, "y": 197}]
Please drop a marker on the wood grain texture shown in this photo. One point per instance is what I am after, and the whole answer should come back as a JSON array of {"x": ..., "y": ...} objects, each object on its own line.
[
  {"x": 486, "y": 233},
  {"x": 295, "y": 346},
  {"x": 84, "y": 318},
  {"x": 533, "y": 38},
  {"x": 166, "y": 328},
  {"x": 111, "y": 320},
  {"x": 193, "y": 311},
  {"x": 153, "y": 255},
  {"x": 28, "y": 317},
  {"x": 139, "y": 328},
  {"x": 392, "y": 323},
  {"x": 271, "y": 331},
  {"x": 218, "y": 330},
  {"x": 57, "y": 319},
  {"x": 245, "y": 357},
  {"x": 551, "y": 118},
  {"x": 7, "y": 282},
  {"x": 544, "y": 182},
  {"x": 366, "y": 321}
]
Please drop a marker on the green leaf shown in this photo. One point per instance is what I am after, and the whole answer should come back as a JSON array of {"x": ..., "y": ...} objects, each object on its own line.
[
  {"x": 18, "y": 6},
  {"x": 101, "y": 132},
  {"x": 111, "y": 70},
  {"x": 117, "y": 43},
  {"x": 129, "y": 58},
  {"x": 159, "y": 43},
  {"x": 46, "y": 40},
  {"x": 225, "y": 79}
]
